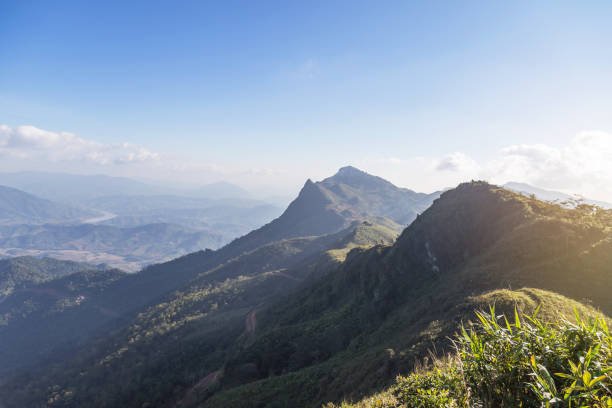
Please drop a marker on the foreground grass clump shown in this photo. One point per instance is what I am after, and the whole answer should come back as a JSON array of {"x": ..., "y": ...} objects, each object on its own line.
[{"x": 528, "y": 363}]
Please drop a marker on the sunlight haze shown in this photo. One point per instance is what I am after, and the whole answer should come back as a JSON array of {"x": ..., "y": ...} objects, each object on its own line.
[{"x": 258, "y": 93}]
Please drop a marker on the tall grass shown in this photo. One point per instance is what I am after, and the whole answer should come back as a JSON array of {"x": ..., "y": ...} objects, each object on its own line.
[
  {"x": 530, "y": 363},
  {"x": 527, "y": 363}
]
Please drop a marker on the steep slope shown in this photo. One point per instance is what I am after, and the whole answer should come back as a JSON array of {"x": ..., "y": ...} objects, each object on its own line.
[
  {"x": 49, "y": 309},
  {"x": 359, "y": 193},
  {"x": 312, "y": 213},
  {"x": 223, "y": 340},
  {"x": 407, "y": 297},
  {"x": 330, "y": 205},
  {"x": 18, "y": 207},
  {"x": 405, "y": 340},
  {"x": 21, "y": 272},
  {"x": 171, "y": 347},
  {"x": 132, "y": 294}
]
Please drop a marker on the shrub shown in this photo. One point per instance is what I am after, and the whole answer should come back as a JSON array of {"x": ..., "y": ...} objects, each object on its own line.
[
  {"x": 534, "y": 364},
  {"x": 437, "y": 388},
  {"x": 528, "y": 363}
]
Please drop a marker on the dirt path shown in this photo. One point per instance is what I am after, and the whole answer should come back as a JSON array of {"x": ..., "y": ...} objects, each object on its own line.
[
  {"x": 251, "y": 321},
  {"x": 190, "y": 397}
]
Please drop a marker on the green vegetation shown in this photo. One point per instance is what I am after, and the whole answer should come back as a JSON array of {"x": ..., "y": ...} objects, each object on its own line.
[
  {"x": 408, "y": 297},
  {"x": 21, "y": 272},
  {"x": 196, "y": 328},
  {"x": 328, "y": 206},
  {"x": 527, "y": 363},
  {"x": 276, "y": 319},
  {"x": 52, "y": 309}
]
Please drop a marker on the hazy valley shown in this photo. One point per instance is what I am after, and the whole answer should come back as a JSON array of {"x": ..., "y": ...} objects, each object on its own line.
[{"x": 119, "y": 222}]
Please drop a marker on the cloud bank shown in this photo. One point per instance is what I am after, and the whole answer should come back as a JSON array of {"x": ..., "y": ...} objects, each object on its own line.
[
  {"x": 583, "y": 166},
  {"x": 29, "y": 142}
]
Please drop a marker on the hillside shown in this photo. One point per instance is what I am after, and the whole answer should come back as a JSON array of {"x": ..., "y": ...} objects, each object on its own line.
[
  {"x": 210, "y": 313},
  {"x": 34, "y": 320},
  {"x": 332, "y": 204},
  {"x": 18, "y": 207},
  {"x": 21, "y": 272},
  {"x": 129, "y": 295},
  {"x": 514, "y": 353},
  {"x": 407, "y": 297},
  {"x": 307, "y": 320}
]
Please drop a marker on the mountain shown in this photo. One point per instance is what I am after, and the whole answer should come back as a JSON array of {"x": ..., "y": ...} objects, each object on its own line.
[
  {"x": 130, "y": 294},
  {"x": 210, "y": 313},
  {"x": 130, "y": 248},
  {"x": 383, "y": 308},
  {"x": 22, "y": 272},
  {"x": 287, "y": 317},
  {"x": 554, "y": 196},
  {"x": 18, "y": 207},
  {"x": 66, "y": 187},
  {"x": 334, "y": 203},
  {"x": 129, "y": 232}
]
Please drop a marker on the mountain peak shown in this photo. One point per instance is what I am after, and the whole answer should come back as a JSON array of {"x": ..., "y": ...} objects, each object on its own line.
[
  {"x": 350, "y": 171},
  {"x": 354, "y": 177}
]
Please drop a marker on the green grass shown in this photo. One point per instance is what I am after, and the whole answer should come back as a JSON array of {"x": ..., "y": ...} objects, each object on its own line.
[{"x": 521, "y": 360}]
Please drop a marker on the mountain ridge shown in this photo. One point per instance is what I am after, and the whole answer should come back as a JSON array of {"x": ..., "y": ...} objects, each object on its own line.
[
  {"x": 433, "y": 267},
  {"x": 19, "y": 207},
  {"x": 359, "y": 320}
]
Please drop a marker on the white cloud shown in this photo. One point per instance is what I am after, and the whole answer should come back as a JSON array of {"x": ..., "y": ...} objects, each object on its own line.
[
  {"x": 583, "y": 166},
  {"x": 456, "y": 162},
  {"x": 29, "y": 142},
  {"x": 31, "y": 148}
]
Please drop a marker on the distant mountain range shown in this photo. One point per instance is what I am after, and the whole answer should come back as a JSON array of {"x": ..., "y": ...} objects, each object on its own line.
[
  {"x": 568, "y": 200},
  {"x": 18, "y": 207},
  {"x": 64, "y": 187},
  {"x": 326, "y": 303},
  {"x": 125, "y": 231}
]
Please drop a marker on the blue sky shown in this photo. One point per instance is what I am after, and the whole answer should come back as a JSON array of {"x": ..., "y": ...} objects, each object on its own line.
[{"x": 268, "y": 93}]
